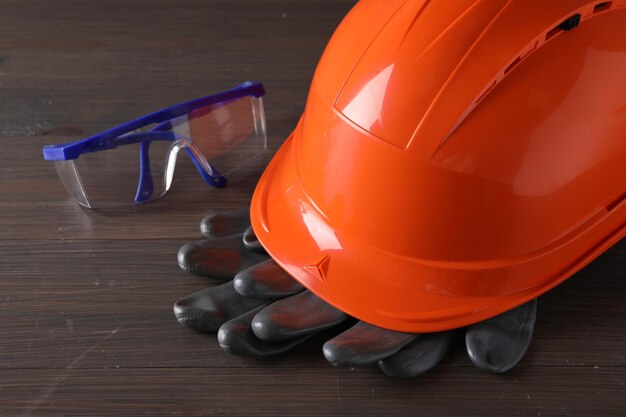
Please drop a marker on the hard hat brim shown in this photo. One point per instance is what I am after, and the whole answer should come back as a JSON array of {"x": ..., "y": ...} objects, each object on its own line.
[{"x": 392, "y": 291}]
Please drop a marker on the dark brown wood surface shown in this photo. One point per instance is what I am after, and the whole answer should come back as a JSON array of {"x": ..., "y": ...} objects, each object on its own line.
[{"x": 86, "y": 325}]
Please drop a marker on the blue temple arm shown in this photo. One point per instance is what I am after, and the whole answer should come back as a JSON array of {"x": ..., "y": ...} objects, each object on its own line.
[{"x": 145, "y": 187}]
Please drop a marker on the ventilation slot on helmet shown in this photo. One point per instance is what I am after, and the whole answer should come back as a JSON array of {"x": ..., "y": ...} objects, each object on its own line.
[
  {"x": 553, "y": 32},
  {"x": 512, "y": 65},
  {"x": 567, "y": 25},
  {"x": 616, "y": 202},
  {"x": 600, "y": 7}
]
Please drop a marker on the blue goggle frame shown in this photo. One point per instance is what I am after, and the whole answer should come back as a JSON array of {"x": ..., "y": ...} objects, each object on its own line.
[{"x": 121, "y": 135}]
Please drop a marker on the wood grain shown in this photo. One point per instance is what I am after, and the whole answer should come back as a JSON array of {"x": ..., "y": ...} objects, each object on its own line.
[
  {"x": 304, "y": 391},
  {"x": 86, "y": 323}
]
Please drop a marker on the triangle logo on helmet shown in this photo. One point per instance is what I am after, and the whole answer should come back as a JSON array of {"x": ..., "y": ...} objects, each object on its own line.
[{"x": 319, "y": 269}]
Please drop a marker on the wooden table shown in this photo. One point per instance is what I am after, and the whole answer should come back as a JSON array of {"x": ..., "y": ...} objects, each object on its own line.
[{"x": 86, "y": 323}]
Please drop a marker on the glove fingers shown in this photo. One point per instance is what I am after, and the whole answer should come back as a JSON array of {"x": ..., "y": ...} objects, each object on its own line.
[
  {"x": 218, "y": 258},
  {"x": 225, "y": 223},
  {"x": 418, "y": 357},
  {"x": 208, "y": 309},
  {"x": 294, "y": 316},
  {"x": 364, "y": 344},
  {"x": 498, "y": 344},
  {"x": 236, "y": 337},
  {"x": 266, "y": 279},
  {"x": 251, "y": 242}
]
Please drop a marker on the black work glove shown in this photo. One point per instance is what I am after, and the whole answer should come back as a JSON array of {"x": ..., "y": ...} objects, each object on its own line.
[{"x": 260, "y": 310}]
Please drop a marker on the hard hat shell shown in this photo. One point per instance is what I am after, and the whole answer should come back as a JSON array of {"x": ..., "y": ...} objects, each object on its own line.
[{"x": 455, "y": 158}]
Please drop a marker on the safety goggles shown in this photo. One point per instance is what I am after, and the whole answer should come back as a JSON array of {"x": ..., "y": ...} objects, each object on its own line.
[{"x": 135, "y": 162}]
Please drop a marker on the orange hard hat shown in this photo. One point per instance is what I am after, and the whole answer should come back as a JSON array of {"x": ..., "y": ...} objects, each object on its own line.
[{"x": 455, "y": 159}]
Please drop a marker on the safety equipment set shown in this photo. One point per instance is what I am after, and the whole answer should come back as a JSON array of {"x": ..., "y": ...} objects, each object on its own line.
[{"x": 455, "y": 160}]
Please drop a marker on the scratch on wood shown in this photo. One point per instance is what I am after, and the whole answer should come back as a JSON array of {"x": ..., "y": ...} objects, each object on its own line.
[
  {"x": 32, "y": 334},
  {"x": 51, "y": 387},
  {"x": 337, "y": 388},
  {"x": 533, "y": 404}
]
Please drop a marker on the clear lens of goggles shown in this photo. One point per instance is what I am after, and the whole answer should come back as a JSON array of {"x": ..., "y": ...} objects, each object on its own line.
[{"x": 219, "y": 138}]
